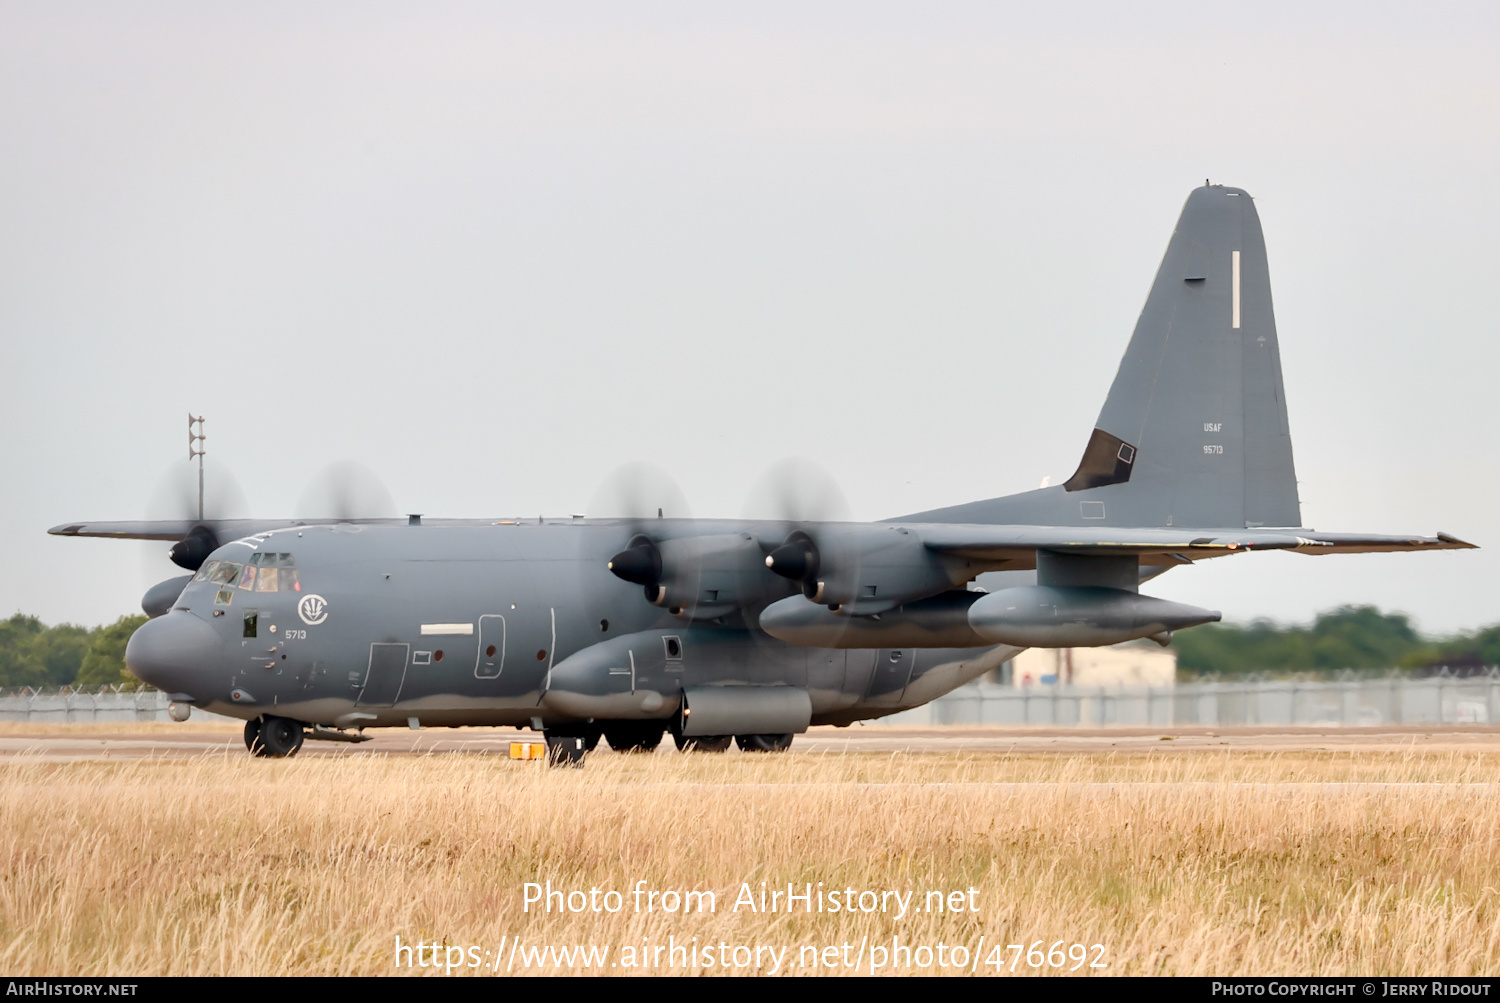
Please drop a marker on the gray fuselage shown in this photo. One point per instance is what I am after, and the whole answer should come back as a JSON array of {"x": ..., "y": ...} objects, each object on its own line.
[{"x": 500, "y": 624}]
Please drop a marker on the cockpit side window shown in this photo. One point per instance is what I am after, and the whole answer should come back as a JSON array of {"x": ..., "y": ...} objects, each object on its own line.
[
  {"x": 209, "y": 567},
  {"x": 225, "y": 573}
]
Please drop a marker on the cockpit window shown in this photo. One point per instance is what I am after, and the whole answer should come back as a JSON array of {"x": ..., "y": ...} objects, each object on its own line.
[
  {"x": 269, "y": 573},
  {"x": 287, "y": 574},
  {"x": 218, "y": 572}
]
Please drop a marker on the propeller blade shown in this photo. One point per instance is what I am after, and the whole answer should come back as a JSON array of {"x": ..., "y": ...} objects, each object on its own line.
[
  {"x": 639, "y": 491},
  {"x": 346, "y": 490},
  {"x": 175, "y": 498},
  {"x": 176, "y": 494},
  {"x": 797, "y": 490}
]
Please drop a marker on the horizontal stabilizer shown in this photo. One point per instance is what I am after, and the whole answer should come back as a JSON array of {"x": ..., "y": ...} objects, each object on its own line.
[
  {"x": 1000, "y": 543},
  {"x": 1361, "y": 543}
]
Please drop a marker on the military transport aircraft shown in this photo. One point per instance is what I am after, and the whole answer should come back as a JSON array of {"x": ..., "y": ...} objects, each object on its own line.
[{"x": 750, "y": 631}]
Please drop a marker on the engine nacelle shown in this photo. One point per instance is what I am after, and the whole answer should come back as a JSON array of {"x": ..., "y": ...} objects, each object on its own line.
[
  {"x": 860, "y": 570},
  {"x": 192, "y": 550},
  {"x": 698, "y": 577},
  {"x": 1043, "y": 616},
  {"x": 708, "y": 576}
]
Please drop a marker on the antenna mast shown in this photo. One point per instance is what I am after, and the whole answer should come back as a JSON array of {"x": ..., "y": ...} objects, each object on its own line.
[{"x": 196, "y": 448}]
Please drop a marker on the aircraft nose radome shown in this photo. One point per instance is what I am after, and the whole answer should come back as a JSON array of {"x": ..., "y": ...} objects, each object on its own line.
[{"x": 175, "y": 652}]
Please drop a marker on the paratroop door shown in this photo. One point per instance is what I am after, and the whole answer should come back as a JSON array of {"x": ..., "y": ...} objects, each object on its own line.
[{"x": 387, "y": 672}]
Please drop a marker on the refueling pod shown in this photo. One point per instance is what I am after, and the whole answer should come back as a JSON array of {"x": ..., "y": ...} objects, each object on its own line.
[{"x": 1047, "y": 616}]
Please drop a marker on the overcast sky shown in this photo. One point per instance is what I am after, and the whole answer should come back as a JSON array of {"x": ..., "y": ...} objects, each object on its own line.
[{"x": 493, "y": 252}]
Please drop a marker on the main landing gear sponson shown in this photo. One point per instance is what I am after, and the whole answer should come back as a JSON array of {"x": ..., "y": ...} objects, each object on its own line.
[{"x": 273, "y": 737}]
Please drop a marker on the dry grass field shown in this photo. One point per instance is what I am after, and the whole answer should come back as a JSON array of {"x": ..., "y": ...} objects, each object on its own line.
[{"x": 1192, "y": 862}]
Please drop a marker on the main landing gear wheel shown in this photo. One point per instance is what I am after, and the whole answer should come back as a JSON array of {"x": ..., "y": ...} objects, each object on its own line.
[
  {"x": 763, "y": 743},
  {"x": 252, "y": 735},
  {"x": 276, "y": 737},
  {"x": 634, "y": 736},
  {"x": 702, "y": 743}
]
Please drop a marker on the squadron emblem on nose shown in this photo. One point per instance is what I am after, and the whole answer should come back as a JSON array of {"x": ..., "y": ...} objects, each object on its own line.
[{"x": 313, "y": 609}]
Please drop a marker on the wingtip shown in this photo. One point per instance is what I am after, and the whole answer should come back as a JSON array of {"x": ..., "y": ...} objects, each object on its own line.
[
  {"x": 66, "y": 529},
  {"x": 1455, "y": 542}
]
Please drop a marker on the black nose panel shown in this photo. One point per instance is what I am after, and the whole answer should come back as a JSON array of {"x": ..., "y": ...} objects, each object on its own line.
[{"x": 178, "y": 653}]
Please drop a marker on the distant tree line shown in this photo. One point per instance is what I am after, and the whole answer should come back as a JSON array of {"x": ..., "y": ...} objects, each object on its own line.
[
  {"x": 33, "y": 654},
  {"x": 1350, "y": 637}
]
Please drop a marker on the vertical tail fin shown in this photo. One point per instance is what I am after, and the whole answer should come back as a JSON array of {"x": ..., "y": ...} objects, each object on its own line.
[{"x": 1194, "y": 430}]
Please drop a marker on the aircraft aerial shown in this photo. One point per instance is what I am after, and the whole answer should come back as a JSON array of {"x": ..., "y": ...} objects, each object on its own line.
[{"x": 750, "y": 631}]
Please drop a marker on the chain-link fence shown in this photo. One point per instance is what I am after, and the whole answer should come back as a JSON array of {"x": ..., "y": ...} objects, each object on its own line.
[
  {"x": 105, "y": 704},
  {"x": 1348, "y": 702}
]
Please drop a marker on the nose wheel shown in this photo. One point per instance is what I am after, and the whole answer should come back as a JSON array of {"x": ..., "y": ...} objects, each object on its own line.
[{"x": 273, "y": 737}]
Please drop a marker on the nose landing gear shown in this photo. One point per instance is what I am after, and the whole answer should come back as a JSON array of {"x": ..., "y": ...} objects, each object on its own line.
[{"x": 273, "y": 737}]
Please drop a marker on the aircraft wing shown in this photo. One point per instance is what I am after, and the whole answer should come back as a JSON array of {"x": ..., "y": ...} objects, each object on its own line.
[
  {"x": 992, "y": 543},
  {"x": 1365, "y": 543},
  {"x": 176, "y": 529}
]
